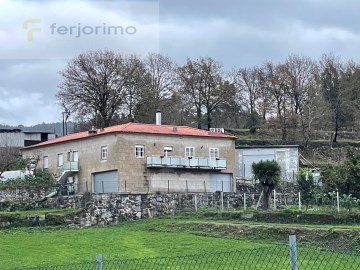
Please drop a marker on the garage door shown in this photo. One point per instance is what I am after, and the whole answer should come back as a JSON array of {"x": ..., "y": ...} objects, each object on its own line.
[
  {"x": 106, "y": 182},
  {"x": 220, "y": 182}
]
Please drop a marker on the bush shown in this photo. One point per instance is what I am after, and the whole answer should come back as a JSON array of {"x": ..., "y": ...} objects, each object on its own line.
[{"x": 43, "y": 179}]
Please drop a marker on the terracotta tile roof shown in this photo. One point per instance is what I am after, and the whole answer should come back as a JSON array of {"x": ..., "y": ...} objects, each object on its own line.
[{"x": 138, "y": 128}]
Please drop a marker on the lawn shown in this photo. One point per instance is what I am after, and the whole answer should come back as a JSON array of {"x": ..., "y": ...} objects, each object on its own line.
[
  {"x": 32, "y": 247},
  {"x": 156, "y": 239}
]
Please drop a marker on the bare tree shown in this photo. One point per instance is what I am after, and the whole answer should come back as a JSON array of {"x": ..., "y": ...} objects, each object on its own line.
[
  {"x": 333, "y": 75},
  {"x": 248, "y": 89},
  {"x": 95, "y": 84},
  {"x": 191, "y": 87},
  {"x": 202, "y": 85},
  {"x": 274, "y": 81},
  {"x": 301, "y": 74},
  {"x": 162, "y": 87},
  {"x": 215, "y": 91}
]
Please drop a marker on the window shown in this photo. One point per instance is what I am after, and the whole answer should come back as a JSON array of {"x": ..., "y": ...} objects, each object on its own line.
[
  {"x": 168, "y": 151},
  {"x": 139, "y": 151},
  {"x": 60, "y": 160},
  {"x": 46, "y": 162},
  {"x": 104, "y": 152},
  {"x": 214, "y": 153},
  {"x": 189, "y": 151},
  {"x": 75, "y": 156}
]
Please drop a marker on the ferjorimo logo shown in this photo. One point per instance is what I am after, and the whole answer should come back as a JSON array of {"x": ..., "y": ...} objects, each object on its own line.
[
  {"x": 79, "y": 30},
  {"x": 104, "y": 30}
]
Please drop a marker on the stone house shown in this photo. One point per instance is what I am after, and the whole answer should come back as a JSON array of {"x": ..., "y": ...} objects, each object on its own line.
[{"x": 137, "y": 157}]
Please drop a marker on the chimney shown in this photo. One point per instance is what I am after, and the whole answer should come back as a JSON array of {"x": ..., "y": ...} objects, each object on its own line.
[{"x": 158, "y": 118}]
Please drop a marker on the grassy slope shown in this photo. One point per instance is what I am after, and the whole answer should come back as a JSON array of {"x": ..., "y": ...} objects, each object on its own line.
[{"x": 151, "y": 238}]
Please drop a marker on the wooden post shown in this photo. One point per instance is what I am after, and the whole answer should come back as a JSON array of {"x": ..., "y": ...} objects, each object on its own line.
[
  {"x": 222, "y": 200},
  {"x": 274, "y": 199},
  {"x": 257, "y": 205},
  {"x": 244, "y": 202},
  {"x": 195, "y": 202}
]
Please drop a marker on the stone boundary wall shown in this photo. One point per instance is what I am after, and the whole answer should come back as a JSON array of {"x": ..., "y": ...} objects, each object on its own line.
[
  {"x": 104, "y": 209},
  {"x": 24, "y": 194}
]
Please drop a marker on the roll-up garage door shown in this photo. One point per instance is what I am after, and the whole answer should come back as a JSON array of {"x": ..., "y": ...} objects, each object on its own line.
[
  {"x": 220, "y": 182},
  {"x": 106, "y": 182}
]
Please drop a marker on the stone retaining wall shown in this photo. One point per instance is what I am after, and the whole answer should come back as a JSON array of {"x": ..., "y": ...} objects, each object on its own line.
[{"x": 103, "y": 209}]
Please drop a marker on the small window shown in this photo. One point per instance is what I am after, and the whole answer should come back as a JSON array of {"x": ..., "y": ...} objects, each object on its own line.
[
  {"x": 46, "y": 162},
  {"x": 189, "y": 151},
  {"x": 139, "y": 151},
  {"x": 60, "y": 160},
  {"x": 168, "y": 151},
  {"x": 104, "y": 152},
  {"x": 214, "y": 153}
]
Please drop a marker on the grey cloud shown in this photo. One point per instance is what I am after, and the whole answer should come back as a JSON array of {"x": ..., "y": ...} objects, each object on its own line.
[{"x": 238, "y": 33}]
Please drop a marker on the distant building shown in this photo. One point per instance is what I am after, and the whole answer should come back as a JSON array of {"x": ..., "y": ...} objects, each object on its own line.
[
  {"x": 286, "y": 155},
  {"x": 19, "y": 138}
]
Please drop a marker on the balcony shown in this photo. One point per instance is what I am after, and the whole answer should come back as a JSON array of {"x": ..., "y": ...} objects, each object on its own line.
[
  {"x": 71, "y": 166},
  {"x": 187, "y": 163}
]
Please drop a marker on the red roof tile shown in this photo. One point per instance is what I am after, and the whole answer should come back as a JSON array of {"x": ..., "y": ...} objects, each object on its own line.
[{"x": 138, "y": 128}]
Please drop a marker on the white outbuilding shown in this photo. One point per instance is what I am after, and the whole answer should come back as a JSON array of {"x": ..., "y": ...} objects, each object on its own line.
[{"x": 286, "y": 155}]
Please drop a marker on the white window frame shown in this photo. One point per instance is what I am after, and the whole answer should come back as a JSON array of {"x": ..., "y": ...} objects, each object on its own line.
[
  {"x": 46, "y": 162},
  {"x": 139, "y": 151},
  {"x": 104, "y": 152},
  {"x": 214, "y": 153},
  {"x": 60, "y": 159},
  {"x": 168, "y": 151},
  {"x": 75, "y": 156},
  {"x": 189, "y": 151}
]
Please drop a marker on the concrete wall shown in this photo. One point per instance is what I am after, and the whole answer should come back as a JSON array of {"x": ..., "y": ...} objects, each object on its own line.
[
  {"x": 133, "y": 175},
  {"x": 11, "y": 139}
]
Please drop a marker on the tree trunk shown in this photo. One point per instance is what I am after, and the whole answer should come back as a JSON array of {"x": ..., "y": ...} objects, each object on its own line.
[
  {"x": 198, "y": 114},
  {"x": 266, "y": 197},
  {"x": 209, "y": 120}
]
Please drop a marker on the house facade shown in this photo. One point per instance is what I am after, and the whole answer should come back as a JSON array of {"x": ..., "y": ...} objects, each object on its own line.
[{"x": 140, "y": 158}]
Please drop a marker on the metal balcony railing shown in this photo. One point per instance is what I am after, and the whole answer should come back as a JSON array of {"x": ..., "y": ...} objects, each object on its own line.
[
  {"x": 186, "y": 162},
  {"x": 71, "y": 166}
]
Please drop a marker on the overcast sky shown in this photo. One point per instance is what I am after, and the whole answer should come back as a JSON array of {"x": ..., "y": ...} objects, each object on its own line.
[{"x": 37, "y": 38}]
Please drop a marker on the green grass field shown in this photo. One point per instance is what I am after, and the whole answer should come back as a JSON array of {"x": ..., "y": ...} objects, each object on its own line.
[
  {"x": 155, "y": 239},
  {"x": 32, "y": 247}
]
